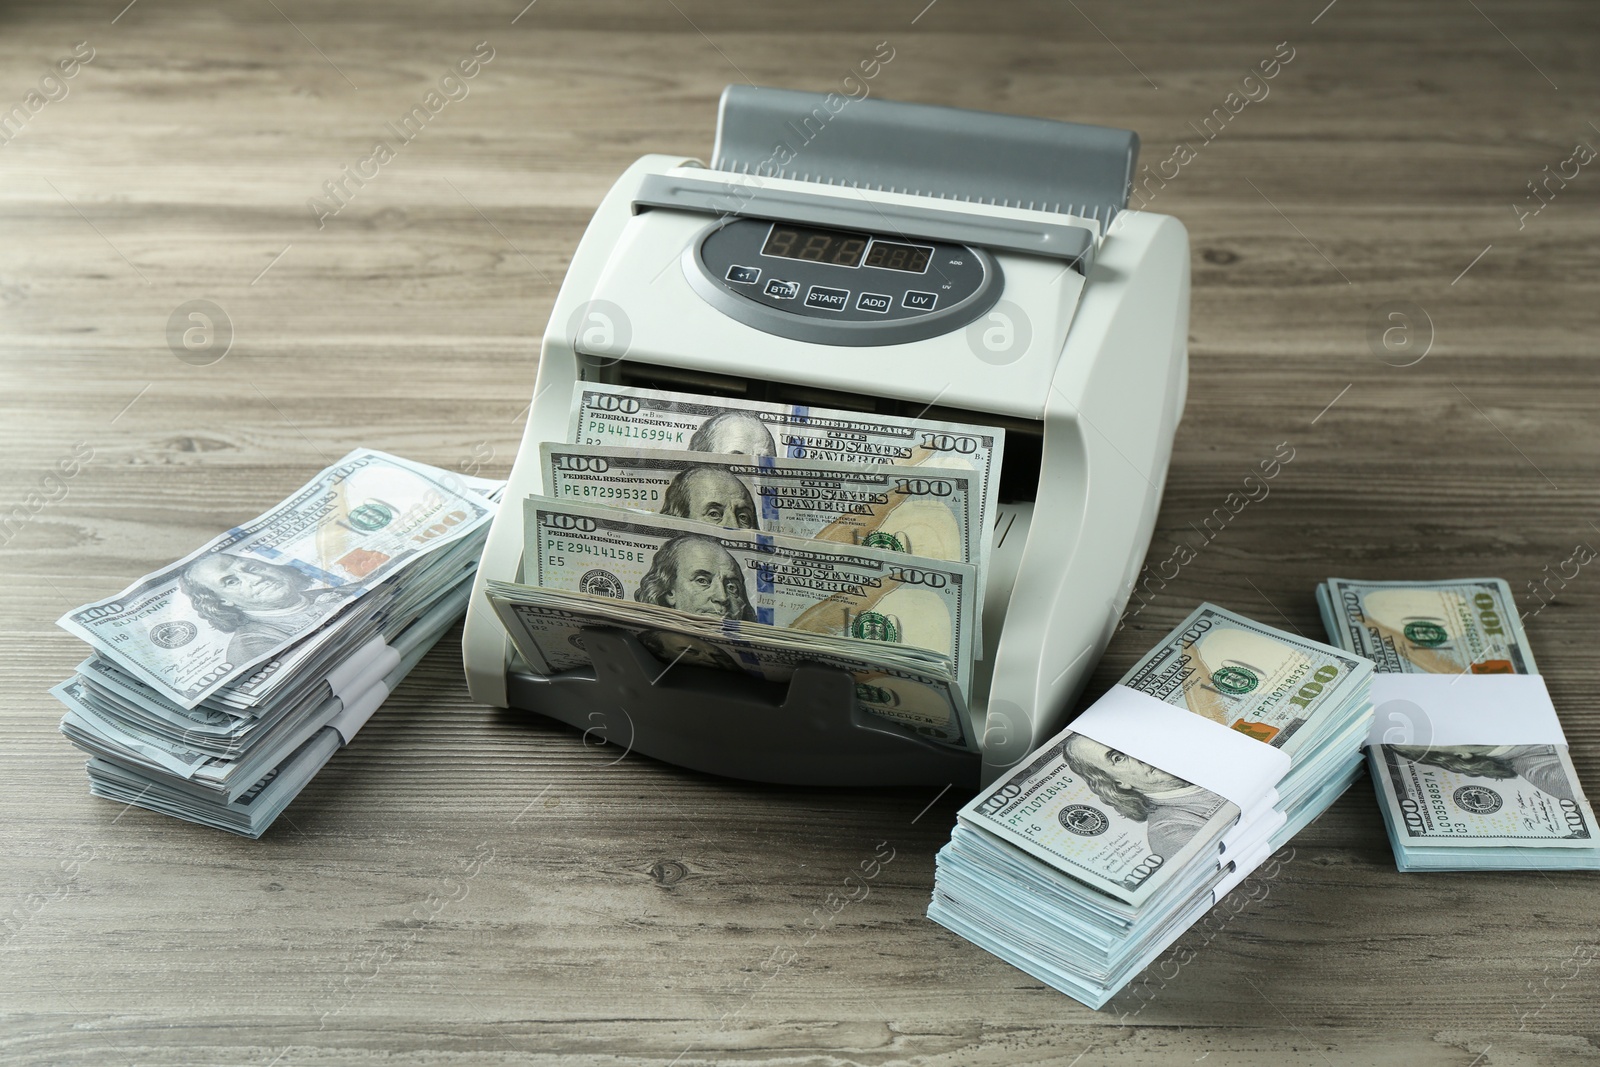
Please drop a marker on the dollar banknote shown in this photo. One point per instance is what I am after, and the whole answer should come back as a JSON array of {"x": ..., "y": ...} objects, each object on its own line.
[
  {"x": 932, "y": 513},
  {"x": 1451, "y": 797},
  {"x": 1103, "y": 818},
  {"x": 646, "y": 418},
  {"x": 1484, "y": 796},
  {"x": 1447, "y": 627},
  {"x": 813, "y": 586},
  {"x": 915, "y": 690},
  {"x": 1276, "y": 687},
  {"x": 88, "y": 725},
  {"x": 189, "y": 629},
  {"x": 1126, "y": 828}
]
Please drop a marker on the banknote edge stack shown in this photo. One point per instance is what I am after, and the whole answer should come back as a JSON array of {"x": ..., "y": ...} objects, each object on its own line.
[
  {"x": 236, "y": 754},
  {"x": 1021, "y": 906},
  {"x": 1436, "y": 718}
]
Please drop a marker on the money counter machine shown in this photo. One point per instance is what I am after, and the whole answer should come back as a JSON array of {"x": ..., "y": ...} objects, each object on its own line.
[{"x": 984, "y": 270}]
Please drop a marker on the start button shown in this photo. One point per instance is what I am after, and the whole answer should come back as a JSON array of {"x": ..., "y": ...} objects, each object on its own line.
[{"x": 820, "y": 296}]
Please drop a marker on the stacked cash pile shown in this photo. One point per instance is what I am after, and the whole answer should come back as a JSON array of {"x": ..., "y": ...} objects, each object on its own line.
[
  {"x": 755, "y": 537},
  {"x": 1093, "y": 855},
  {"x": 1470, "y": 763},
  {"x": 221, "y": 684}
]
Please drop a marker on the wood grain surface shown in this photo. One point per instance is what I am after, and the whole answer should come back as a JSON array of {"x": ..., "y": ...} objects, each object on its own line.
[{"x": 630, "y": 912}]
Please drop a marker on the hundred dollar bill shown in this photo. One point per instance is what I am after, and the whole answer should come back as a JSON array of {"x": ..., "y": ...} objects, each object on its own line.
[
  {"x": 1483, "y": 796},
  {"x": 1127, "y": 828},
  {"x": 916, "y": 691},
  {"x": 1459, "y": 796},
  {"x": 646, "y": 418},
  {"x": 813, "y": 586},
  {"x": 189, "y": 629},
  {"x": 84, "y": 723},
  {"x": 1276, "y": 687},
  {"x": 1445, "y": 627},
  {"x": 1112, "y": 822},
  {"x": 932, "y": 513}
]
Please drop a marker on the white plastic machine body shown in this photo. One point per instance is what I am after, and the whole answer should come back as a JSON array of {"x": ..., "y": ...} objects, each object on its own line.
[{"x": 1068, "y": 328}]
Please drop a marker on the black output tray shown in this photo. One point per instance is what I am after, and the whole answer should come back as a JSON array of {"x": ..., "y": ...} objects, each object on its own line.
[{"x": 807, "y": 731}]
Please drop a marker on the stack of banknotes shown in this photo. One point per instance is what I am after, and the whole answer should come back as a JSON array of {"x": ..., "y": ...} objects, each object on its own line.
[
  {"x": 753, "y": 537},
  {"x": 1088, "y": 859},
  {"x": 1461, "y": 790},
  {"x": 220, "y": 685}
]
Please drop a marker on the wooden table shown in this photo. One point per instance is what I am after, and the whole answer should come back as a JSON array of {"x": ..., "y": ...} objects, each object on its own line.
[{"x": 469, "y": 886}]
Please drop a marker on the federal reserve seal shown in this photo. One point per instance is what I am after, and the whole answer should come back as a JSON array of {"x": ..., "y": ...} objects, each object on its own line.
[
  {"x": 1426, "y": 634},
  {"x": 883, "y": 539},
  {"x": 1477, "y": 799},
  {"x": 871, "y": 626},
  {"x": 1083, "y": 820},
  {"x": 1234, "y": 680},
  {"x": 371, "y": 516},
  {"x": 600, "y": 583},
  {"x": 172, "y": 634}
]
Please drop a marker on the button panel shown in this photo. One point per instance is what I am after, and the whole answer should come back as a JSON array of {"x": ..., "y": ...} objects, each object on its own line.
[{"x": 840, "y": 287}]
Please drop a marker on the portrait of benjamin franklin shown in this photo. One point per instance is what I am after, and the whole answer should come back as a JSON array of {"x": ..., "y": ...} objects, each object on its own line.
[
  {"x": 1172, "y": 809},
  {"x": 734, "y": 431},
  {"x": 710, "y": 494},
  {"x": 1538, "y": 764},
  {"x": 261, "y": 604},
  {"x": 696, "y": 574}
]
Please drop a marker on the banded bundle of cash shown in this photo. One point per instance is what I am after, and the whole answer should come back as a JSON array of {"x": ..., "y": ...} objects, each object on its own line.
[
  {"x": 220, "y": 685},
  {"x": 1468, "y": 758},
  {"x": 1101, "y": 848},
  {"x": 755, "y": 537}
]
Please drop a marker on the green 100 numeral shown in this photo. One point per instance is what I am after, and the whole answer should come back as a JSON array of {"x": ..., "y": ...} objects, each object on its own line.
[{"x": 1309, "y": 692}]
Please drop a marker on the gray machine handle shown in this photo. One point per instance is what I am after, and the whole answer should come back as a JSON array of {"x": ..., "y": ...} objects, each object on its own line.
[{"x": 927, "y": 150}]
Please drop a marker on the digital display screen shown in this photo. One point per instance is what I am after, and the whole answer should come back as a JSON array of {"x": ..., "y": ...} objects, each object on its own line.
[
  {"x": 817, "y": 246},
  {"x": 910, "y": 258}
]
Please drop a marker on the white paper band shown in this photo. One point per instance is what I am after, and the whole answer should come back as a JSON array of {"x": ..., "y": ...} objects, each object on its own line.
[
  {"x": 362, "y": 667},
  {"x": 1180, "y": 742},
  {"x": 355, "y": 714},
  {"x": 1243, "y": 867},
  {"x": 1463, "y": 709},
  {"x": 1254, "y": 827}
]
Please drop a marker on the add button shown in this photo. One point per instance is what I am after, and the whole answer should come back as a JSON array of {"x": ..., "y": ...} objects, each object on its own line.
[{"x": 877, "y": 303}]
